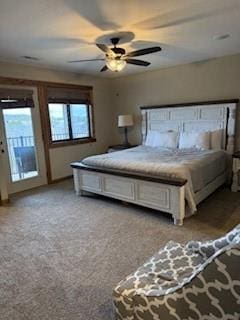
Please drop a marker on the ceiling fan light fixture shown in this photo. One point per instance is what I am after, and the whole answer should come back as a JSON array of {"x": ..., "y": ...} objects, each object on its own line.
[
  {"x": 116, "y": 58},
  {"x": 116, "y": 64}
]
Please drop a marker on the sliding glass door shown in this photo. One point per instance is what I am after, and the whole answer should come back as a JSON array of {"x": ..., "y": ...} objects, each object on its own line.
[{"x": 22, "y": 148}]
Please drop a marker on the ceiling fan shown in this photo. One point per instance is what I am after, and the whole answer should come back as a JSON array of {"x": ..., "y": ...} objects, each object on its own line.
[{"x": 116, "y": 58}]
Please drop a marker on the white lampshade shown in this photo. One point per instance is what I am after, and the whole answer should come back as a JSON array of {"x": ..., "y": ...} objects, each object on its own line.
[{"x": 125, "y": 120}]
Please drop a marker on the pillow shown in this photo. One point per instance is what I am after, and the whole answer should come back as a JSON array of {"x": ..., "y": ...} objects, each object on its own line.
[
  {"x": 166, "y": 140},
  {"x": 150, "y": 138},
  {"x": 199, "y": 140},
  {"x": 162, "y": 139},
  {"x": 217, "y": 139}
]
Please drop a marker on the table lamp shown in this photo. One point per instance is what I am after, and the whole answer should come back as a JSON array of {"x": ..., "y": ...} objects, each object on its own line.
[{"x": 125, "y": 121}]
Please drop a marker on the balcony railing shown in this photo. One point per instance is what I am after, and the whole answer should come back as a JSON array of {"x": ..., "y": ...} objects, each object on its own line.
[
  {"x": 15, "y": 144},
  {"x": 22, "y": 159},
  {"x": 21, "y": 152}
]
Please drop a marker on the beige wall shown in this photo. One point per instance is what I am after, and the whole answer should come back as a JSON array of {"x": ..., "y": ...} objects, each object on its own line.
[
  {"x": 61, "y": 157},
  {"x": 210, "y": 80}
]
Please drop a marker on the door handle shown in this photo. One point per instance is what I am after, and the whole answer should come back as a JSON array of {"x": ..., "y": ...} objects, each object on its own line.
[{"x": 2, "y": 150}]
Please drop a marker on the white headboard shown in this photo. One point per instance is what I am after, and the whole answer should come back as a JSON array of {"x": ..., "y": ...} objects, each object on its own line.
[{"x": 199, "y": 116}]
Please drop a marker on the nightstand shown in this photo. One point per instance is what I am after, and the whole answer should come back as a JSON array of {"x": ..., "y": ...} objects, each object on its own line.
[
  {"x": 119, "y": 147},
  {"x": 236, "y": 171}
]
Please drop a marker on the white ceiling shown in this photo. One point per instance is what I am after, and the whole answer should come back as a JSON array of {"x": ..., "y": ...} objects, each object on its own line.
[{"x": 56, "y": 31}]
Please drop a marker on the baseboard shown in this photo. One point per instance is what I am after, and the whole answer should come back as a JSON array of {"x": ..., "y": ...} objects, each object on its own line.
[
  {"x": 61, "y": 179},
  {"x": 4, "y": 202}
]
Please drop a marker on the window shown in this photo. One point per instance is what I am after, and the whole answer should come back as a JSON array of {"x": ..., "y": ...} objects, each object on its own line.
[
  {"x": 70, "y": 117},
  {"x": 79, "y": 121},
  {"x": 59, "y": 121},
  {"x": 69, "y": 121}
]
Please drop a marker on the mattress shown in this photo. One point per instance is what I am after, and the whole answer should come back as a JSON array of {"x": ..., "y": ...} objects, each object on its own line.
[{"x": 199, "y": 167}]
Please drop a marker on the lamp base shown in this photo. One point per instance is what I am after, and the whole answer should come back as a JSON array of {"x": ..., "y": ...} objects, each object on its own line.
[{"x": 126, "y": 143}]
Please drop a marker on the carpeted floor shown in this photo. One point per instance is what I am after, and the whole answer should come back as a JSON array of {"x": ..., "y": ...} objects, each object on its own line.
[{"x": 61, "y": 255}]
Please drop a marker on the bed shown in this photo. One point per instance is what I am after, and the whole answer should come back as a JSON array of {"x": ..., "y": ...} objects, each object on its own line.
[{"x": 169, "y": 180}]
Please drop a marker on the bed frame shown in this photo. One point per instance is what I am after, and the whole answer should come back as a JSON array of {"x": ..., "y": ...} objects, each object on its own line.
[{"x": 161, "y": 193}]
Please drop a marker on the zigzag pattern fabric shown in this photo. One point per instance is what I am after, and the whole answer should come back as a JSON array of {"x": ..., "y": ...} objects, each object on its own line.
[{"x": 196, "y": 281}]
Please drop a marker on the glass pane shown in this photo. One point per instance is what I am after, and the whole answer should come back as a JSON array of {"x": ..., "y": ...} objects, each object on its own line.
[
  {"x": 58, "y": 121},
  {"x": 79, "y": 120},
  {"x": 20, "y": 142}
]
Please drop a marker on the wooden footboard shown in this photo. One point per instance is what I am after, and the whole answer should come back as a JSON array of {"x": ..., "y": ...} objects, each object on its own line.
[{"x": 161, "y": 193}]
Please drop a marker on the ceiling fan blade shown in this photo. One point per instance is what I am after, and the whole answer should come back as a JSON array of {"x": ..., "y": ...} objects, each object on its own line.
[
  {"x": 103, "y": 47},
  {"x": 95, "y": 12},
  {"x": 87, "y": 60},
  {"x": 138, "y": 62},
  {"x": 198, "y": 13},
  {"x": 142, "y": 52},
  {"x": 105, "y": 68},
  {"x": 56, "y": 43}
]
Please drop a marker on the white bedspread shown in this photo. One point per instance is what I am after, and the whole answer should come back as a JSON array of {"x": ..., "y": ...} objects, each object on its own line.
[{"x": 198, "y": 167}]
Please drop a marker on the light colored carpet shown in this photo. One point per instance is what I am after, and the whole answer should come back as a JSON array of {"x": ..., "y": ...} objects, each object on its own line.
[{"x": 61, "y": 255}]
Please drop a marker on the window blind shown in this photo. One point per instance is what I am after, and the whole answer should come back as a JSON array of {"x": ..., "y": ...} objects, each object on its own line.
[
  {"x": 69, "y": 95},
  {"x": 16, "y": 98}
]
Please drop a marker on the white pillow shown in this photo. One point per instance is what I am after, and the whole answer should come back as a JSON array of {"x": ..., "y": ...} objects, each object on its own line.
[
  {"x": 166, "y": 140},
  {"x": 199, "y": 140},
  {"x": 150, "y": 138},
  {"x": 162, "y": 139},
  {"x": 217, "y": 139}
]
